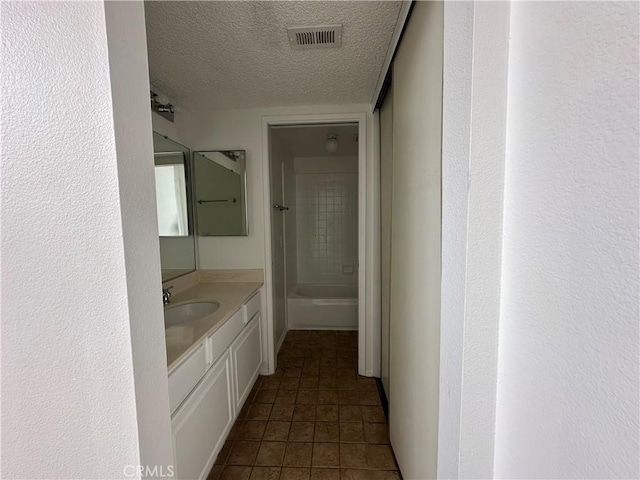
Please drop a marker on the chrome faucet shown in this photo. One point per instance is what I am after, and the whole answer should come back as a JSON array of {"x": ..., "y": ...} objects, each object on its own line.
[{"x": 166, "y": 295}]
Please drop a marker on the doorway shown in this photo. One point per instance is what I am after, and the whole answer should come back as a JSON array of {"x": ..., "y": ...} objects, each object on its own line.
[{"x": 315, "y": 227}]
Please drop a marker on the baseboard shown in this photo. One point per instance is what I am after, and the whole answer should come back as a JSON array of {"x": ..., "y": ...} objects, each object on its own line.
[
  {"x": 383, "y": 398},
  {"x": 280, "y": 341}
]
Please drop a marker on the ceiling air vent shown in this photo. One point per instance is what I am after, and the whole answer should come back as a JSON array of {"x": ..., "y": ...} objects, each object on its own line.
[{"x": 323, "y": 36}]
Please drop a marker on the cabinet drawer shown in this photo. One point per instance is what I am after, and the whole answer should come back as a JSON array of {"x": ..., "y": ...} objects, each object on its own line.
[
  {"x": 219, "y": 341},
  {"x": 251, "y": 307},
  {"x": 185, "y": 376}
]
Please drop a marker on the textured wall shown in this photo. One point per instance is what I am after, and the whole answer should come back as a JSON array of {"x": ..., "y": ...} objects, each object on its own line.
[
  {"x": 567, "y": 401},
  {"x": 68, "y": 399},
  {"x": 136, "y": 180},
  {"x": 456, "y": 140}
]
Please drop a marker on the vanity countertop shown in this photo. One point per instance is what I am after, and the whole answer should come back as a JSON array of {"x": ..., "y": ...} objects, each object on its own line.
[{"x": 181, "y": 339}]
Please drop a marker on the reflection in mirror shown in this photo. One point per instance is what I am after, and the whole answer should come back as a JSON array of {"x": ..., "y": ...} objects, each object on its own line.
[
  {"x": 171, "y": 194},
  {"x": 173, "y": 197},
  {"x": 220, "y": 192}
]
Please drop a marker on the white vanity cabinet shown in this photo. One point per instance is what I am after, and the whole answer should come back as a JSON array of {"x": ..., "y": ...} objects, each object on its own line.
[
  {"x": 201, "y": 424},
  {"x": 246, "y": 357},
  {"x": 208, "y": 388}
]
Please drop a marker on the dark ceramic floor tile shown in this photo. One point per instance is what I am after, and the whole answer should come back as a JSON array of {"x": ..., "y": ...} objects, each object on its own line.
[
  {"x": 326, "y": 455},
  {"x": 376, "y": 433},
  {"x": 265, "y": 473},
  {"x": 251, "y": 430},
  {"x": 271, "y": 454},
  {"x": 243, "y": 453},
  {"x": 235, "y": 473},
  {"x": 307, "y": 397},
  {"x": 309, "y": 383},
  {"x": 301, "y": 432},
  {"x": 328, "y": 397},
  {"x": 215, "y": 472},
  {"x": 298, "y": 454},
  {"x": 350, "y": 413},
  {"x": 286, "y": 396},
  {"x": 353, "y": 455},
  {"x": 326, "y": 432},
  {"x": 325, "y": 474},
  {"x": 290, "y": 383},
  {"x": 352, "y": 432},
  {"x": 295, "y": 473},
  {"x": 259, "y": 411},
  {"x": 373, "y": 414},
  {"x": 223, "y": 454},
  {"x": 265, "y": 396},
  {"x": 276, "y": 431},
  {"x": 281, "y": 412},
  {"x": 304, "y": 413},
  {"x": 327, "y": 413},
  {"x": 381, "y": 457},
  {"x": 270, "y": 383}
]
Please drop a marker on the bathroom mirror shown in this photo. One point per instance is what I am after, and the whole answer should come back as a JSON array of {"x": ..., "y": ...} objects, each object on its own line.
[
  {"x": 174, "y": 207},
  {"x": 220, "y": 192}
]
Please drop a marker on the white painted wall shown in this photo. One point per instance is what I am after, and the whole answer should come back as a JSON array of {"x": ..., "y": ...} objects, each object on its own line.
[
  {"x": 456, "y": 139},
  {"x": 136, "y": 179},
  {"x": 568, "y": 378},
  {"x": 415, "y": 243},
  {"x": 180, "y": 130},
  {"x": 242, "y": 129},
  {"x": 566, "y": 381},
  {"x": 83, "y": 386}
]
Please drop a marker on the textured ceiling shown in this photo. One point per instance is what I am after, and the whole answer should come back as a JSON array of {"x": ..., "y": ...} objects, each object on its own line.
[
  {"x": 311, "y": 141},
  {"x": 229, "y": 54}
]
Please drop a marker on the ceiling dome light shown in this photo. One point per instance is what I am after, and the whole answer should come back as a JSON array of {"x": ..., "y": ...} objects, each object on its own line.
[{"x": 332, "y": 143}]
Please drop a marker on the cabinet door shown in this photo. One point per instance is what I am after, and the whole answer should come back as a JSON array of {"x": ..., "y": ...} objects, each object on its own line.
[
  {"x": 246, "y": 355},
  {"x": 200, "y": 426},
  {"x": 185, "y": 376}
]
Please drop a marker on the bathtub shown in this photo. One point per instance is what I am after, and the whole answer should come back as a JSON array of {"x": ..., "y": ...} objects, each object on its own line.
[{"x": 319, "y": 307}]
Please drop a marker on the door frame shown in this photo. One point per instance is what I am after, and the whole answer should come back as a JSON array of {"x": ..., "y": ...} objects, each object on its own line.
[{"x": 368, "y": 349}]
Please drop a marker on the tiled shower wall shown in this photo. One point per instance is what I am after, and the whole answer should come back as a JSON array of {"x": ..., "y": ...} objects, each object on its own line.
[{"x": 327, "y": 227}]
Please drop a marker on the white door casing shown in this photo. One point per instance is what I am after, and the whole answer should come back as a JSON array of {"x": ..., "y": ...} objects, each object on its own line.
[{"x": 368, "y": 233}]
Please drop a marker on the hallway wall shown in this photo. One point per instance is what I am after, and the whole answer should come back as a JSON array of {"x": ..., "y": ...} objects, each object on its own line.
[
  {"x": 242, "y": 129},
  {"x": 539, "y": 352},
  {"x": 84, "y": 387},
  {"x": 568, "y": 378}
]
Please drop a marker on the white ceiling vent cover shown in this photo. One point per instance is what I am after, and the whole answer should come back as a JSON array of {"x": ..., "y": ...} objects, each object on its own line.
[{"x": 322, "y": 36}]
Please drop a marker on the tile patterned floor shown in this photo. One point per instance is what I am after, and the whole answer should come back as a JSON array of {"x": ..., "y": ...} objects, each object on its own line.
[{"x": 315, "y": 418}]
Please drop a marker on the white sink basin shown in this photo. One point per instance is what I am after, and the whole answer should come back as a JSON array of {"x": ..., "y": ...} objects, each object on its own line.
[{"x": 188, "y": 312}]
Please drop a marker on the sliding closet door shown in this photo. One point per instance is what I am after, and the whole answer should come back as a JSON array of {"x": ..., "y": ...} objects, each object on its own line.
[
  {"x": 386, "y": 189},
  {"x": 416, "y": 242}
]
